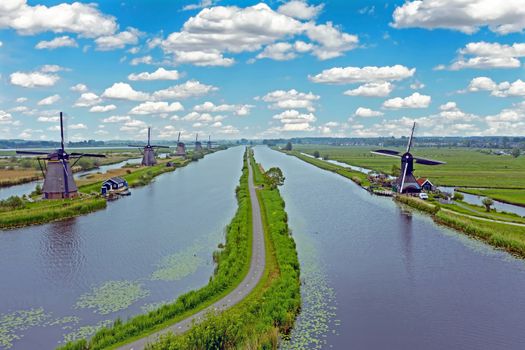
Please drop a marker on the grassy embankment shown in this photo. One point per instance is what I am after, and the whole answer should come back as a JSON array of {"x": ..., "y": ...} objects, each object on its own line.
[
  {"x": 42, "y": 211},
  {"x": 506, "y": 236},
  {"x": 232, "y": 265},
  {"x": 270, "y": 310}
]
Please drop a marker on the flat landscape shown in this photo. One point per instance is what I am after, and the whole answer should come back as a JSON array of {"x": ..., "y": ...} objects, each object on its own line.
[{"x": 463, "y": 168}]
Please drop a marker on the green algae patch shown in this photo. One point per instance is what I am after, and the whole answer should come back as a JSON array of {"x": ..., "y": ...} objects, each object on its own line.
[
  {"x": 13, "y": 323},
  {"x": 177, "y": 266},
  {"x": 86, "y": 331},
  {"x": 112, "y": 296}
]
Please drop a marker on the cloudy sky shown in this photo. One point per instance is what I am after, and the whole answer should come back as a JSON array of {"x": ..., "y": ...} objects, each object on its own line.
[{"x": 261, "y": 69}]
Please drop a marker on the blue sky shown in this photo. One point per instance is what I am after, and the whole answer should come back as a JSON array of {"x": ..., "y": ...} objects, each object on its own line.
[{"x": 261, "y": 69}]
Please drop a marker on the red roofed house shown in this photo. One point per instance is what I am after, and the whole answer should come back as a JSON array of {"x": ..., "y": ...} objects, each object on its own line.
[{"x": 425, "y": 184}]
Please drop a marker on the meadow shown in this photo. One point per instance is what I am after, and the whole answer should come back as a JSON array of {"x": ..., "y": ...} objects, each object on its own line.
[
  {"x": 516, "y": 197},
  {"x": 465, "y": 167}
]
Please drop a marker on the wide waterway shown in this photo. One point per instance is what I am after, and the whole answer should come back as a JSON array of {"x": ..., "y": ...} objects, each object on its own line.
[
  {"x": 392, "y": 278},
  {"x": 63, "y": 279}
]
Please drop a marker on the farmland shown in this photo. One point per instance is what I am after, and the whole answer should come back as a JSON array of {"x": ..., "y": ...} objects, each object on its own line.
[{"x": 464, "y": 168}]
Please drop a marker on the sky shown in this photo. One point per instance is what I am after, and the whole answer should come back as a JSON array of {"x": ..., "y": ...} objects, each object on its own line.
[{"x": 261, "y": 69}]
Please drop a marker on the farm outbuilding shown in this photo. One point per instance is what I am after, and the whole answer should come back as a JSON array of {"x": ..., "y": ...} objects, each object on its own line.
[
  {"x": 425, "y": 184},
  {"x": 114, "y": 184}
]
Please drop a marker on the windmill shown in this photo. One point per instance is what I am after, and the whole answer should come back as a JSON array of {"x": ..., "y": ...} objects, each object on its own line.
[
  {"x": 198, "y": 144},
  {"x": 407, "y": 181},
  {"x": 58, "y": 177},
  {"x": 148, "y": 151},
  {"x": 181, "y": 148},
  {"x": 208, "y": 144}
]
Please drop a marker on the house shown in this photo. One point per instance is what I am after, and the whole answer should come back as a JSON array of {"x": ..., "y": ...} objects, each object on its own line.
[
  {"x": 425, "y": 184},
  {"x": 114, "y": 185}
]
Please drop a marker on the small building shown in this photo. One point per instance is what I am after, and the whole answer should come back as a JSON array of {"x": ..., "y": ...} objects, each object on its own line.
[
  {"x": 425, "y": 184},
  {"x": 114, "y": 185}
]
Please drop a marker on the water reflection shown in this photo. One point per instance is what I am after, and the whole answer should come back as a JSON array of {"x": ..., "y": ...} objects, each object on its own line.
[
  {"x": 406, "y": 232},
  {"x": 61, "y": 251}
]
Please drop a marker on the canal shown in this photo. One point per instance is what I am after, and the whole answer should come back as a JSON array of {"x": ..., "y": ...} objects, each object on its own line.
[
  {"x": 379, "y": 276},
  {"x": 62, "y": 280}
]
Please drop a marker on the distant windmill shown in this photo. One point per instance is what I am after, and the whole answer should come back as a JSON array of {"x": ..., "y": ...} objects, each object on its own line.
[
  {"x": 198, "y": 144},
  {"x": 407, "y": 181},
  {"x": 148, "y": 151},
  {"x": 58, "y": 177},
  {"x": 208, "y": 144},
  {"x": 181, "y": 148}
]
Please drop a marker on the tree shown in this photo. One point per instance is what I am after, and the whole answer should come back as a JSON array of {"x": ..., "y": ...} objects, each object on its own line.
[
  {"x": 396, "y": 170},
  {"x": 326, "y": 157},
  {"x": 274, "y": 177},
  {"x": 288, "y": 146},
  {"x": 515, "y": 152},
  {"x": 458, "y": 196},
  {"x": 487, "y": 202},
  {"x": 316, "y": 154}
]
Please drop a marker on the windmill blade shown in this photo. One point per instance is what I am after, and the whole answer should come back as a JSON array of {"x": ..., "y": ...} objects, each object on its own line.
[
  {"x": 428, "y": 161},
  {"x": 386, "y": 152},
  {"x": 160, "y": 146},
  {"x": 88, "y": 155},
  {"x": 32, "y": 152},
  {"x": 138, "y": 146},
  {"x": 403, "y": 179},
  {"x": 411, "y": 136}
]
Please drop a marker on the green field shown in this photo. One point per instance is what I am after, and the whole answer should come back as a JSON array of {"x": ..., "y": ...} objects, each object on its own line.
[{"x": 465, "y": 167}]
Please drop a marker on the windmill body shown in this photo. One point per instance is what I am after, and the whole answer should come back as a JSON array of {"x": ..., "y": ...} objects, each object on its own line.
[
  {"x": 181, "y": 148},
  {"x": 198, "y": 144},
  {"x": 407, "y": 182},
  {"x": 208, "y": 144},
  {"x": 58, "y": 175},
  {"x": 148, "y": 151}
]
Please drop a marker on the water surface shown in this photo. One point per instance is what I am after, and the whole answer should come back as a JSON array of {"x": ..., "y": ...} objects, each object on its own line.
[{"x": 400, "y": 281}]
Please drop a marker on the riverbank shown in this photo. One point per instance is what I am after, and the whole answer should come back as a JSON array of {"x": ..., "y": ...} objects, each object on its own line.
[
  {"x": 507, "y": 236},
  {"x": 509, "y": 196},
  {"x": 34, "y": 211},
  {"x": 269, "y": 312}
]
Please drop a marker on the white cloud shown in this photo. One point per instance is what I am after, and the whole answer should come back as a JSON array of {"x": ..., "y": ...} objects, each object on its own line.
[
  {"x": 159, "y": 74},
  {"x": 282, "y": 51},
  {"x": 300, "y": 9},
  {"x": 142, "y": 60},
  {"x": 83, "y": 19},
  {"x": 416, "y": 100},
  {"x": 77, "y": 126},
  {"x": 133, "y": 126},
  {"x": 371, "y": 90},
  {"x": 87, "y": 99},
  {"x": 210, "y": 107},
  {"x": 21, "y": 99},
  {"x": 49, "y": 100},
  {"x": 291, "y": 99},
  {"x": 118, "y": 40},
  {"x": 116, "y": 119},
  {"x": 52, "y": 68},
  {"x": 199, "y": 5},
  {"x": 228, "y": 130},
  {"x": 207, "y": 36},
  {"x": 200, "y": 117},
  {"x": 451, "y": 113},
  {"x": 467, "y": 16},
  {"x": 102, "y": 109},
  {"x": 33, "y": 79},
  {"x": 347, "y": 75},
  {"x": 79, "y": 88},
  {"x": 6, "y": 118},
  {"x": 202, "y": 58},
  {"x": 503, "y": 89},
  {"x": 367, "y": 112},
  {"x": 123, "y": 91},
  {"x": 62, "y": 41},
  {"x": 150, "y": 107},
  {"x": 333, "y": 42},
  {"x": 191, "y": 88},
  {"x": 484, "y": 55},
  {"x": 293, "y": 120},
  {"x": 417, "y": 85}
]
